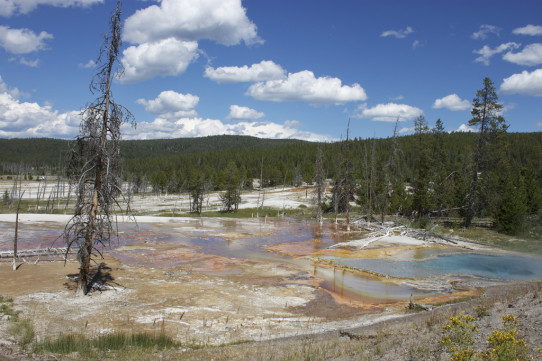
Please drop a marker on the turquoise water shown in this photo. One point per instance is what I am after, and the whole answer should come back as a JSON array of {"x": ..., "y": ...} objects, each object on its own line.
[{"x": 502, "y": 267}]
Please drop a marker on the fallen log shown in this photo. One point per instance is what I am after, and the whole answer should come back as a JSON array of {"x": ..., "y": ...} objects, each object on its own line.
[{"x": 38, "y": 252}]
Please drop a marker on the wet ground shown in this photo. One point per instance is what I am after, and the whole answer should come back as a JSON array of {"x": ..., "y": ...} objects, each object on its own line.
[{"x": 214, "y": 280}]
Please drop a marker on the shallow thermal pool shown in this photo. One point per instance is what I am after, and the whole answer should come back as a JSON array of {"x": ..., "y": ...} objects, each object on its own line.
[{"x": 492, "y": 266}]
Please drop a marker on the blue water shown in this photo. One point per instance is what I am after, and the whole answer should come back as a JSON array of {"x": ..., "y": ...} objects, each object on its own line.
[{"x": 503, "y": 267}]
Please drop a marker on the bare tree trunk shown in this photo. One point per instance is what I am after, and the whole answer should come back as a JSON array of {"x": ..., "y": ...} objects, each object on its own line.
[
  {"x": 319, "y": 185},
  {"x": 346, "y": 176},
  {"x": 371, "y": 180},
  {"x": 391, "y": 171},
  {"x": 95, "y": 163},
  {"x": 16, "y": 233},
  {"x": 260, "y": 192},
  {"x": 69, "y": 194}
]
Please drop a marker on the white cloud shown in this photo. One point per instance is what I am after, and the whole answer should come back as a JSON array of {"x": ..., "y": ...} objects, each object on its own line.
[
  {"x": 263, "y": 71},
  {"x": 165, "y": 36},
  {"x": 389, "y": 112},
  {"x": 529, "y": 30},
  {"x": 31, "y": 63},
  {"x": 26, "y": 119},
  {"x": 418, "y": 44},
  {"x": 486, "y": 52},
  {"x": 223, "y": 21},
  {"x": 530, "y": 55},
  {"x": 539, "y": 124},
  {"x": 243, "y": 113},
  {"x": 170, "y": 101},
  {"x": 465, "y": 129},
  {"x": 89, "y": 65},
  {"x": 406, "y": 130},
  {"x": 304, "y": 86},
  {"x": 198, "y": 127},
  {"x": 484, "y": 31},
  {"x": 11, "y": 7},
  {"x": 524, "y": 83},
  {"x": 165, "y": 57},
  {"x": 292, "y": 123},
  {"x": 399, "y": 34},
  {"x": 451, "y": 102},
  {"x": 22, "y": 41}
]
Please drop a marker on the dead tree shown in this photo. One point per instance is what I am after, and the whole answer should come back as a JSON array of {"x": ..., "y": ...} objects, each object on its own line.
[
  {"x": 371, "y": 180},
  {"x": 346, "y": 178},
  {"x": 94, "y": 161},
  {"x": 390, "y": 173},
  {"x": 16, "y": 232},
  {"x": 319, "y": 184}
]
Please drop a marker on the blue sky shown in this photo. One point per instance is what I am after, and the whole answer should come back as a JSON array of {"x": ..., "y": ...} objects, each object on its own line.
[{"x": 276, "y": 69}]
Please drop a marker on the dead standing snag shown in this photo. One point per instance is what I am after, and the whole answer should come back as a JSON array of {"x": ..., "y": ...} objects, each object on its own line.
[{"x": 94, "y": 160}]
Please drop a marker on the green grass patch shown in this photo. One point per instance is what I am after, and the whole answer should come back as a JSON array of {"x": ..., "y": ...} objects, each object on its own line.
[
  {"x": 21, "y": 328},
  {"x": 493, "y": 238},
  {"x": 66, "y": 344}
]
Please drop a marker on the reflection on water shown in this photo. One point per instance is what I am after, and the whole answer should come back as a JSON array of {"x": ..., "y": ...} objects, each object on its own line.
[{"x": 503, "y": 267}]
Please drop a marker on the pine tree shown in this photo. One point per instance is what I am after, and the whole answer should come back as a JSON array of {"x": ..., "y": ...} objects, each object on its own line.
[
  {"x": 442, "y": 178},
  {"x": 232, "y": 196},
  {"x": 486, "y": 116},
  {"x": 420, "y": 201},
  {"x": 511, "y": 209}
]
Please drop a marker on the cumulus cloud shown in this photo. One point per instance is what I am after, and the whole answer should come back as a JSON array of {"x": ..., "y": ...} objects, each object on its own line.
[
  {"x": 165, "y": 57},
  {"x": 199, "y": 127},
  {"x": 389, "y": 112},
  {"x": 528, "y": 83},
  {"x": 12, "y": 7},
  {"x": 399, "y": 34},
  {"x": 406, "y": 130},
  {"x": 464, "y": 128},
  {"x": 263, "y": 71},
  {"x": 170, "y": 101},
  {"x": 292, "y": 123},
  {"x": 484, "y": 31},
  {"x": 166, "y": 36},
  {"x": 243, "y": 113},
  {"x": 530, "y": 55},
  {"x": 304, "y": 86},
  {"x": 451, "y": 102},
  {"x": 22, "y": 41},
  {"x": 528, "y": 30},
  {"x": 89, "y": 65},
  {"x": 223, "y": 21},
  {"x": 486, "y": 52},
  {"x": 26, "y": 119}
]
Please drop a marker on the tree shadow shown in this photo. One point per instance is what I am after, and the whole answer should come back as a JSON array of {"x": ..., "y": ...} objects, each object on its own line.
[{"x": 100, "y": 277}]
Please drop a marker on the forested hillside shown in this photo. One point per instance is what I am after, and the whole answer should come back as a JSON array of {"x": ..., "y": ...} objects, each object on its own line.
[
  {"x": 40, "y": 150},
  {"x": 431, "y": 171}
]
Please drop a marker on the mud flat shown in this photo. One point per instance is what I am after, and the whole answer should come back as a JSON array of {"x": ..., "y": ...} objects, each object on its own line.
[{"x": 215, "y": 280}]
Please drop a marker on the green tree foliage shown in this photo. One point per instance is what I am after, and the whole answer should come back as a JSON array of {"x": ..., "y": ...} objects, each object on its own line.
[
  {"x": 491, "y": 125},
  {"x": 197, "y": 191},
  {"x": 511, "y": 209},
  {"x": 420, "y": 200},
  {"x": 441, "y": 196},
  {"x": 232, "y": 195}
]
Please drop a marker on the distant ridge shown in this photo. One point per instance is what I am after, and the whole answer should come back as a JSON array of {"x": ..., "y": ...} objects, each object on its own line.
[{"x": 49, "y": 150}]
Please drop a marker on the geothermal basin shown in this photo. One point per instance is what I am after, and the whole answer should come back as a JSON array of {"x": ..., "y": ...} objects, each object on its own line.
[{"x": 218, "y": 280}]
